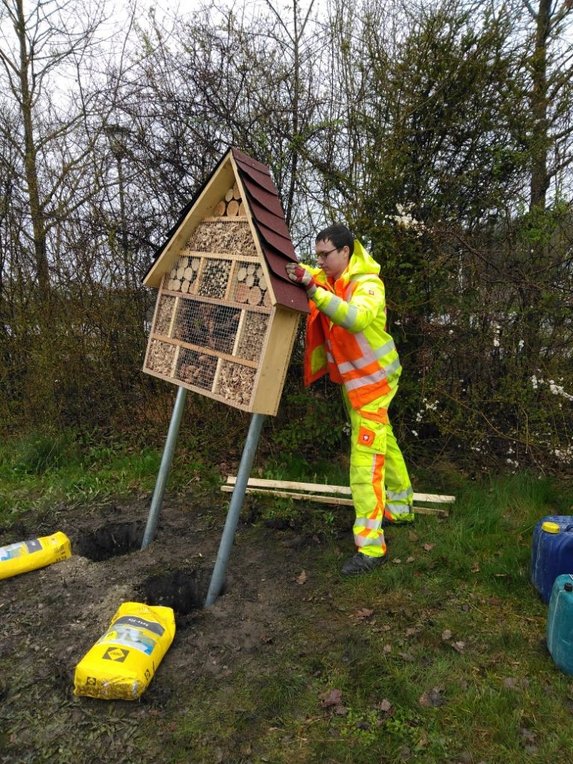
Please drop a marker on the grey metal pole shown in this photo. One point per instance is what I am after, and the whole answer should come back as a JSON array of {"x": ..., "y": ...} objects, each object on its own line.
[
  {"x": 164, "y": 467},
  {"x": 235, "y": 505}
]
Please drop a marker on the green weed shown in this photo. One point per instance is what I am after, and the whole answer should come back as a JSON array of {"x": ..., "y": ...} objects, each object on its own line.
[
  {"x": 38, "y": 453},
  {"x": 40, "y": 471}
]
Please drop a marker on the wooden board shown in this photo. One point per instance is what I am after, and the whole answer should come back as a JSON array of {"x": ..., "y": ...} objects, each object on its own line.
[
  {"x": 275, "y": 358},
  {"x": 330, "y": 494}
]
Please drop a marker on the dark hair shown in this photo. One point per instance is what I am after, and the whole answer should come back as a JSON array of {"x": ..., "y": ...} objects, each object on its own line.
[{"x": 339, "y": 235}]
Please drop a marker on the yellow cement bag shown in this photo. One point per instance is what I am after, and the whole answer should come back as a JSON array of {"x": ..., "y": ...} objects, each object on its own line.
[
  {"x": 34, "y": 553},
  {"x": 122, "y": 663}
]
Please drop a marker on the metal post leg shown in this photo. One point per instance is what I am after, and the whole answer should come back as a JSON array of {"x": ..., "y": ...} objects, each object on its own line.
[
  {"x": 164, "y": 467},
  {"x": 236, "y": 503}
]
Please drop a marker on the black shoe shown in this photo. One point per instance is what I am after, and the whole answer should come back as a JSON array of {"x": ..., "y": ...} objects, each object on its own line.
[{"x": 360, "y": 563}]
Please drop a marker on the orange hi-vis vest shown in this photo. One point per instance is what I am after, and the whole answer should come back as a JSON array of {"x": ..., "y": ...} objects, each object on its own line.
[{"x": 346, "y": 333}]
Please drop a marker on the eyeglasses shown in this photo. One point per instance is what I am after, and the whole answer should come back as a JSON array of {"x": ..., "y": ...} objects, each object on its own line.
[{"x": 327, "y": 253}]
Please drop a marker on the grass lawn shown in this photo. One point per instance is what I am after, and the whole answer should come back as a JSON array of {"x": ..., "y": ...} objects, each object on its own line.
[{"x": 439, "y": 656}]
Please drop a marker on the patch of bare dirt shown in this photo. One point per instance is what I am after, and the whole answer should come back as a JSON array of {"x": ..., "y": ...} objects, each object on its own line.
[{"x": 50, "y": 618}]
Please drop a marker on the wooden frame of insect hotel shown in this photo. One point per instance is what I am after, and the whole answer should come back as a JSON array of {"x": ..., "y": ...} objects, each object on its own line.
[{"x": 226, "y": 314}]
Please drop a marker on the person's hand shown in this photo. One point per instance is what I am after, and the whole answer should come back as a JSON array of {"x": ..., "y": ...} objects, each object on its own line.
[{"x": 300, "y": 275}]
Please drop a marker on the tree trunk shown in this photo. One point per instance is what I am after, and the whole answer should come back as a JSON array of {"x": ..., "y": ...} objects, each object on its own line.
[
  {"x": 30, "y": 165},
  {"x": 539, "y": 176}
]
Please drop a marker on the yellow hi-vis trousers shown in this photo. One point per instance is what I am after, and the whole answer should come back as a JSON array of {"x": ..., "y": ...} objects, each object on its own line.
[{"x": 379, "y": 479}]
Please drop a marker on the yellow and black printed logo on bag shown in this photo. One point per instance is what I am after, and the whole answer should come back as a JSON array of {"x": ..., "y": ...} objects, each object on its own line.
[{"x": 117, "y": 654}]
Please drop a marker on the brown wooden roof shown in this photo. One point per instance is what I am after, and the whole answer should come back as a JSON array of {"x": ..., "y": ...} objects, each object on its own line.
[
  {"x": 274, "y": 237},
  {"x": 268, "y": 217}
]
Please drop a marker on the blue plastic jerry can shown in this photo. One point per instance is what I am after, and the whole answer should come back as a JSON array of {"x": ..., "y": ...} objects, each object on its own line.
[
  {"x": 560, "y": 623},
  {"x": 551, "y": 552}
]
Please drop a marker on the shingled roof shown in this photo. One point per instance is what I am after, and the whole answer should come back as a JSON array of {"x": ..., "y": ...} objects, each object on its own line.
[{"x": 267, "y": 216}]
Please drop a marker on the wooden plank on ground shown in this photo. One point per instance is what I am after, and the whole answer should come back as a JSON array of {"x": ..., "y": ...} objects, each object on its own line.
[
  {"x": 329, "y": 494},
  {"x": 319, "y": 498},
  {"x": 326, "y": 488}
]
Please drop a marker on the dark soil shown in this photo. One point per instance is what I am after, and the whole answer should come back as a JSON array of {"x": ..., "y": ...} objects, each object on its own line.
[{"x": 50, "y": 618}]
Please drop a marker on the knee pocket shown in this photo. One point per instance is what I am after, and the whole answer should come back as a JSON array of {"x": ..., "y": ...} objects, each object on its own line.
[{"x": 370, "y": 437}]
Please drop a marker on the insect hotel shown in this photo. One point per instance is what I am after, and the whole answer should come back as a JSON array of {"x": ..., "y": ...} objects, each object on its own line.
[{"x": 226, "y": 313}]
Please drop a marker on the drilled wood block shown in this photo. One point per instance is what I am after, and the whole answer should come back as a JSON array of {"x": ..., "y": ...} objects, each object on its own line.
[
  {"x": 249, "y": 283},
  {"x": 183, "y": 274},
  {"x": 214, "y": 279},
  {"x": 255, "y": 296},
  {"x": 241, "y": 293},
  {"x": 232, "y": 208}
]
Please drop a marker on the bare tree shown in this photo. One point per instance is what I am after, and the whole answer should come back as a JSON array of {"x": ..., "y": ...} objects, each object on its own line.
[
  {"x": 232, "y": 80},
  {"x": 38, "y": 48},
  {"x": 59, "y": 166}
]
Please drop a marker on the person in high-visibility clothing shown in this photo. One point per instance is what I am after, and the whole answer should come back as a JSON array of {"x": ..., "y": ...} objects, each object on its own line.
[{"x": 346, "y": 337}]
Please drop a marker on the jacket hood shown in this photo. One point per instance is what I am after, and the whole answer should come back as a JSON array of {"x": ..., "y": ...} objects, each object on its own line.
[{"x": 362, "y": 261}]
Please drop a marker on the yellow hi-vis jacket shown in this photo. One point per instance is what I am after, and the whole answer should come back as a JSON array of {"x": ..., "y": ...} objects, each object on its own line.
[{"x": 346, "y": 332}]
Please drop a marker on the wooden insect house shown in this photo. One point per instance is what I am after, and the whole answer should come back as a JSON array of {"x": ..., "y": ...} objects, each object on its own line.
[{"x": 226, "y": 314}]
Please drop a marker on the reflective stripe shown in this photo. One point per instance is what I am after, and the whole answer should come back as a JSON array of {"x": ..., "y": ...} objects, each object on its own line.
[
  {"x": 385, "y": 349},
  {"x": 392, "y": 367},
  {"x": 348, "y": 322},
  {"x": 362, "y": 541},
  {"x": 371, "y": 379},
  {"x": 381, "y": 374},
  {"x": 366, "y": 522},
  {"x": 332, "y": 306},
  {"x": 368, "y": 355},
  {"x": 398, "y": 496},
  {"x": 398, "y": 509},
  {"x": 347, "y": 366}
]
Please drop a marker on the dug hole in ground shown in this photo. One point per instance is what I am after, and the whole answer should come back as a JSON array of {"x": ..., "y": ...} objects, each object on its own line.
[{"x": 49, "y": 618}]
